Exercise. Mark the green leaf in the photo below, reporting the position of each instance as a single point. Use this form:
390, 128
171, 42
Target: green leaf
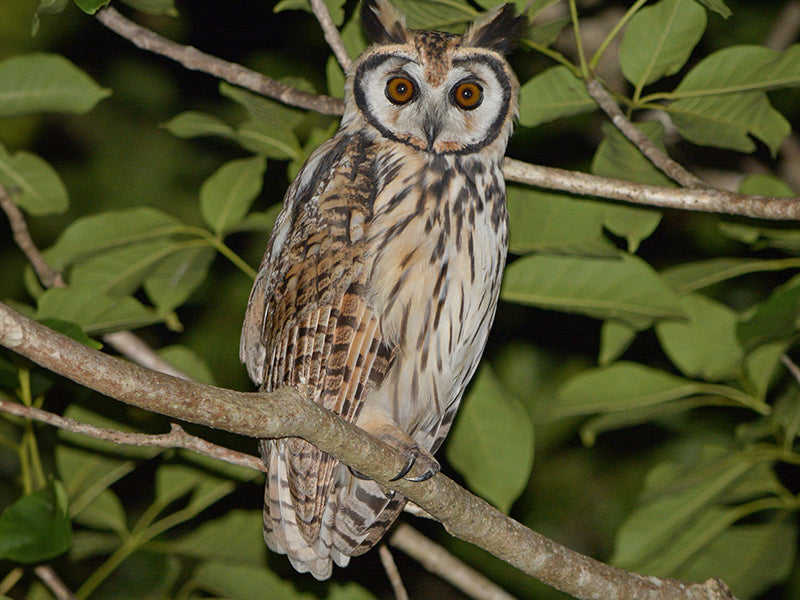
188, 361
268, 140
545, 34
226, 196
721, 100
244, 582
91, 6
491, 444
447, 15
192, 124
717, 6
750, 558
262, 109
95, 313
32, 183
559, 223
173, 280
175, 481
154, 7
690, 277
618, 157
765, 185
704, 346
71, 330
99, 233
334, 8
761, 366
615, 338
104, 512
45, 82
774, 319
627, 289
36, 527
621, 386
236, 536
554, 93
659, 39
120, 271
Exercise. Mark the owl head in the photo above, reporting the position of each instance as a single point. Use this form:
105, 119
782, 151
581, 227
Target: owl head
437, 92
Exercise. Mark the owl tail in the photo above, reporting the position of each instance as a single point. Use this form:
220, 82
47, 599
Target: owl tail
356, 515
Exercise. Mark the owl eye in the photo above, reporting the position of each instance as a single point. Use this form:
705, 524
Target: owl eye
468, 95
400, 90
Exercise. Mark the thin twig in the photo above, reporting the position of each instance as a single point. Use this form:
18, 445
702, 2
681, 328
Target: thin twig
176, 438
703, 200
392, 573
331, 33
288, 413
53, 582
19, 228
785, 28
195, 60
671, 169
439, 561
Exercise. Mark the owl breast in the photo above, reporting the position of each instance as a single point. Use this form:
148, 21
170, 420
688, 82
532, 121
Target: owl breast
439, 235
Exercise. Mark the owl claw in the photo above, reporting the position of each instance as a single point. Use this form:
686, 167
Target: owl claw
415, 454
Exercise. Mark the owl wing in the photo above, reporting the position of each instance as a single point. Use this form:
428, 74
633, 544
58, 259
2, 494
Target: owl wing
308, 320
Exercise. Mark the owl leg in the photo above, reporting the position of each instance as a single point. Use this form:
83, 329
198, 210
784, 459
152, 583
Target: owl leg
377, 422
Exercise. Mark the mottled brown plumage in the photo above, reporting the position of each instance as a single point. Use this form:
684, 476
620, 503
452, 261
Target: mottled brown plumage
381, 277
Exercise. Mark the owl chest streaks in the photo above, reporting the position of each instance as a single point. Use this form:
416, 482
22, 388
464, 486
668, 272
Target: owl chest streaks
440, 234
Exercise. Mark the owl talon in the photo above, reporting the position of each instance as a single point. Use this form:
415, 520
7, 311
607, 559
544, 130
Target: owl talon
357, 474
409, 463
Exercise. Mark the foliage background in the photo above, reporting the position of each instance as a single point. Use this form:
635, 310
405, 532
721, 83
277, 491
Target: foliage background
173, 525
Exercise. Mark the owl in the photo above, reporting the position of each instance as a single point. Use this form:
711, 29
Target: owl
380, 279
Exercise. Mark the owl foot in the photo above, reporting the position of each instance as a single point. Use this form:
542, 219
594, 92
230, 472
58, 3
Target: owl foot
415, 454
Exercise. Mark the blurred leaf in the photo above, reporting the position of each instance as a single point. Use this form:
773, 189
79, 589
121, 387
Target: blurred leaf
36, 527
692, 276
226, 196
717, 6
101, 232
105, 512
765, 185
269, 140
259, 221
704, 346
615, 338
47, 7
659, 39
626, 289
244, 582
236, 536
348, 591
174, 481
32, 183
144, 575
621, 386
618, 157
173, 280
774, 319
88, 544
545, 34
334, 8
154, 7
95, 313
191, 124
554, 93
491, 444
447, 15
633, 223
38, 82
188, 361
263, 109
91, 6
100, 447
71, 330
550, 222
750, 558
760, 366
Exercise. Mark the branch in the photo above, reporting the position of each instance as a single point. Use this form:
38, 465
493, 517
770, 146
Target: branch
440, 562
331, 33
392, 573
704, 200
54, 583
176, 438
671, 169
287, 413
195, 60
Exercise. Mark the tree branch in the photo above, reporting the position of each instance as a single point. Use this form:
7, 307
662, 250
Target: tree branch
54, 583
440, 562
286, 412
195, 60
671, 169
387, 560
176, 438
331, 33
703, 200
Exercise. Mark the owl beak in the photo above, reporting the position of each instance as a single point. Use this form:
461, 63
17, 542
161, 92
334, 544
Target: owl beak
432, 127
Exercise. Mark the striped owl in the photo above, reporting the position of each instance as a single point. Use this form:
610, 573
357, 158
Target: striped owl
381, 277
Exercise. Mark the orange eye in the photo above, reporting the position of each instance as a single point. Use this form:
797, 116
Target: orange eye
400, 90
468, 95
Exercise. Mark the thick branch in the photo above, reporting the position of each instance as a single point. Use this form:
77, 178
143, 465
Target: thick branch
670, 168
287, 413
194, 59
703, 200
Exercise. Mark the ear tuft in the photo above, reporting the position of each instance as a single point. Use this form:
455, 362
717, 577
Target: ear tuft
495, 29
383, 23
